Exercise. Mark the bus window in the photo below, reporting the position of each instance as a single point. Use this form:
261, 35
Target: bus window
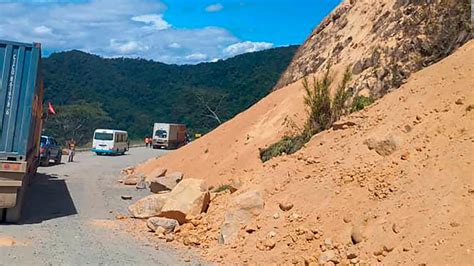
103, 136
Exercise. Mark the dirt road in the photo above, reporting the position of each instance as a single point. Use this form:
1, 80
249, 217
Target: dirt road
69, 217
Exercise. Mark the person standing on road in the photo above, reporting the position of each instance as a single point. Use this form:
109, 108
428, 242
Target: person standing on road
72, 150
147, 141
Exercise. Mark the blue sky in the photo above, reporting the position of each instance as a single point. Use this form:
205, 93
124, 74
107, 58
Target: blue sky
170, 31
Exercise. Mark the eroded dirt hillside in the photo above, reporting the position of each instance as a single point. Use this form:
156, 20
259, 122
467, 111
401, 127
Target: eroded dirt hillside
382, 42
392, 184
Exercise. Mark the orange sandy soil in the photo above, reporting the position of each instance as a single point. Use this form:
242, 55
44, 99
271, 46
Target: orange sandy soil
418, 200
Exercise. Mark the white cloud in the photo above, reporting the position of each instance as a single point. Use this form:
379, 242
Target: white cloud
42, 30
111, 28
156, 21
174, 45
197, 57
246, 47
214, 8
127, 47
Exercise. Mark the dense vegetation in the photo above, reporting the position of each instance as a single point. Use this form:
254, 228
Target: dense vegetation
132, 94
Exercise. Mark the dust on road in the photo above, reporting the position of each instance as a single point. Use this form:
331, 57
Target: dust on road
69, 217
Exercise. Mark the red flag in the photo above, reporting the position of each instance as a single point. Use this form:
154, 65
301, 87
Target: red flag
51, 108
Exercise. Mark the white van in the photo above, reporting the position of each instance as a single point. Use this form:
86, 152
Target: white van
110, 141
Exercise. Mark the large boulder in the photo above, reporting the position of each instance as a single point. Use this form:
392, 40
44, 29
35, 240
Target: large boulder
189, 198
167, 224
165, 183
244, 208
133, 179
157, 172
148, 206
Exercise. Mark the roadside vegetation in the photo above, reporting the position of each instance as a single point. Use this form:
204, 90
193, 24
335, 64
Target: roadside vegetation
360, 102
323, 110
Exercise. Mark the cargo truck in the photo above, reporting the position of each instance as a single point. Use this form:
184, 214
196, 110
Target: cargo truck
169, 136
21, 112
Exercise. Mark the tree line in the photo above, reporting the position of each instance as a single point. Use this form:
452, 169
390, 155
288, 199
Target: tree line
91, 92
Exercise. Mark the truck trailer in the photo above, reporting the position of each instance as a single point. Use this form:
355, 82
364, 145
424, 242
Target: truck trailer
168, 136
21, 105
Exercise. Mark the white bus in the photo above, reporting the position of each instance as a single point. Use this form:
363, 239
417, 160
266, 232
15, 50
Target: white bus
110, 141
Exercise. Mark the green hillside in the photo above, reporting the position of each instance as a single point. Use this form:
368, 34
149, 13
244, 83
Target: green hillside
131, 94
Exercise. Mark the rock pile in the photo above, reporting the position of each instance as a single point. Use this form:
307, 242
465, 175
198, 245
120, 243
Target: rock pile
167, 211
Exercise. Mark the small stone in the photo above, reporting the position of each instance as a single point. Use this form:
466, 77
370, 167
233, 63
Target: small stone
272, 234
169, 238
309, 236
327, 256
126, 197
285, 206
328, 243
347, 219
352, 253
459, 101
454, 224
120, 217
276, 216
159, 222
191, 240
354, 260
405, 156
160, 232
269, 244
378, 252
141, 185
295, 217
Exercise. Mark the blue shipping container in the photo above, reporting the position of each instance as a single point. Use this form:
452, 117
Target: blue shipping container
21, 96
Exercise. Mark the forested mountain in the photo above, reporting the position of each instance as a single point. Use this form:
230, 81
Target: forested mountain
131, 94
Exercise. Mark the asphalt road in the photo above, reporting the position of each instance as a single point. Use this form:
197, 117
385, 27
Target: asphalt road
69, 214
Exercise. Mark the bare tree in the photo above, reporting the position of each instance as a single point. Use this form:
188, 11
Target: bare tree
212, 111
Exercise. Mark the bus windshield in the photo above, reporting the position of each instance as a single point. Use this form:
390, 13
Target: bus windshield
103, 136
161, 134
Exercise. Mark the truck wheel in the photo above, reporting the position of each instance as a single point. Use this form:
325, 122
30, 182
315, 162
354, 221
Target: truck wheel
13, 215
3, 213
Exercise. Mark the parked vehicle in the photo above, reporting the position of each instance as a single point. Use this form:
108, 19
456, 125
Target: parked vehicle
169, 136
49, 150
21, 98
110, 141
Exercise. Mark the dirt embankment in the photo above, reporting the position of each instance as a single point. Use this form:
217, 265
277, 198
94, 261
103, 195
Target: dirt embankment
391, 184
399, 172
